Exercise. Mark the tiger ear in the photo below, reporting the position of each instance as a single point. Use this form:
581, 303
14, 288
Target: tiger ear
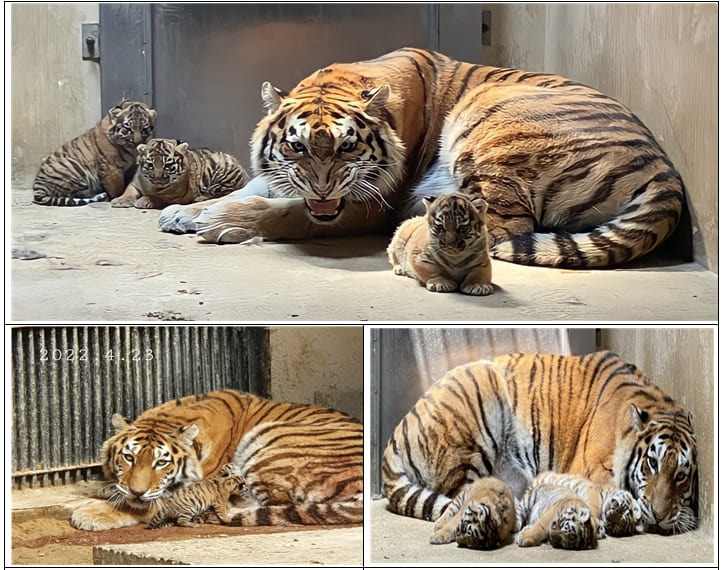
181, 147
186, 435
141, 148
152, 115
271, 97
638, 417
479, 204
376, 99
428, 201
118, 422
584, 515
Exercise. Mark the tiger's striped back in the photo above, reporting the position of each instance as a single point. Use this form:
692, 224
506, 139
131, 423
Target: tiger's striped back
96, 165
596, 416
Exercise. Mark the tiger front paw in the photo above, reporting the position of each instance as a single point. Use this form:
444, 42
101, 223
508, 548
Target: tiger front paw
477, 289
122, 202
441, 285
100, 515
622, 514
179, 219
526, 537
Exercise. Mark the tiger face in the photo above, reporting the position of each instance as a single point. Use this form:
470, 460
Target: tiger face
573, 528
131, 124
143, 466
328, 144
662, 473
454, 221
162, 162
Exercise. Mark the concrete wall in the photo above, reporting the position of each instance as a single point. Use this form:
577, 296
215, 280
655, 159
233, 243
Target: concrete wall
661, 60
319, 365
55, 94
682, 361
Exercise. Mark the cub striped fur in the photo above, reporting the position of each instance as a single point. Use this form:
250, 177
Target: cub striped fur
446, 249
196, 500
97, 164
171, 173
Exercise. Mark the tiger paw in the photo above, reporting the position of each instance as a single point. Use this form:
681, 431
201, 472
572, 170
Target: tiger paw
441, 285
100, 515
398, 270
477, 289
122, 202
179, 219
526, 537
144, 203
621, 514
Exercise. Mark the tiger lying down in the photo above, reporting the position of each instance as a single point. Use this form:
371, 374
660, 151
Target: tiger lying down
564, 449
291, 464
571, 177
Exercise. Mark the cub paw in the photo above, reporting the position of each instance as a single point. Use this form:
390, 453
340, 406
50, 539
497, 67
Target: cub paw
621, 514
121, 202
480, 289
440, 285
525, 538
144, 203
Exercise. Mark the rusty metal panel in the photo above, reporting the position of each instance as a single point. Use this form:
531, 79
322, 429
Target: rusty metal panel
68, 381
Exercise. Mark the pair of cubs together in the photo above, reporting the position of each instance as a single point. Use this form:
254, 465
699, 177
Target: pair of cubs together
568, 511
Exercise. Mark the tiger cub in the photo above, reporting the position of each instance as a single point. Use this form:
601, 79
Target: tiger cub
212, 494
482, 516
97, 164
171, 173
446, 249
572, 512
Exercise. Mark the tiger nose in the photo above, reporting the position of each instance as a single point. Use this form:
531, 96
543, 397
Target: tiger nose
136, 492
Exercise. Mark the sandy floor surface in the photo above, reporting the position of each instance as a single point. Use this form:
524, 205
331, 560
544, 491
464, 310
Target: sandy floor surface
42, 535
97, 263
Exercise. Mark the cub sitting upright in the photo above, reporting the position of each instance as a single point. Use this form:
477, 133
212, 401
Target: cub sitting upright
171, 173
445, 249
96, 165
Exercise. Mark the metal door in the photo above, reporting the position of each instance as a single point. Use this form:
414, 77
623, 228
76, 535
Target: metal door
201, 65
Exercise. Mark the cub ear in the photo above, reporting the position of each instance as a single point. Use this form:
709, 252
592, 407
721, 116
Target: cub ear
376, 99
151, 115
186, 435
428, 201
479, 204
584, 515
271, 97
119, 424
141, 148
181, 147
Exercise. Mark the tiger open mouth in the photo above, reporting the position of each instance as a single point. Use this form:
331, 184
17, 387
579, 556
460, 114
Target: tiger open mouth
324, 210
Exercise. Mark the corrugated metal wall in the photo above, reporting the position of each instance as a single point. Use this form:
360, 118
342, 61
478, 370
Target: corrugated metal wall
406, 361
68, 381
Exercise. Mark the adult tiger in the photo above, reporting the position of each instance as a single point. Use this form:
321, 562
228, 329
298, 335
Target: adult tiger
596, 416
571, 176
302, 464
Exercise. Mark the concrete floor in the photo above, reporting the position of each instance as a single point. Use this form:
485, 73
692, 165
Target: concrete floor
102, 264
394, 539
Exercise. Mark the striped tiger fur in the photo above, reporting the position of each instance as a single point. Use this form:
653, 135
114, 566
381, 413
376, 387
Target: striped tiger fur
596, 416
303, 459
195, 500
446, 249
98, 164
171, 173
572, 512
572, 177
